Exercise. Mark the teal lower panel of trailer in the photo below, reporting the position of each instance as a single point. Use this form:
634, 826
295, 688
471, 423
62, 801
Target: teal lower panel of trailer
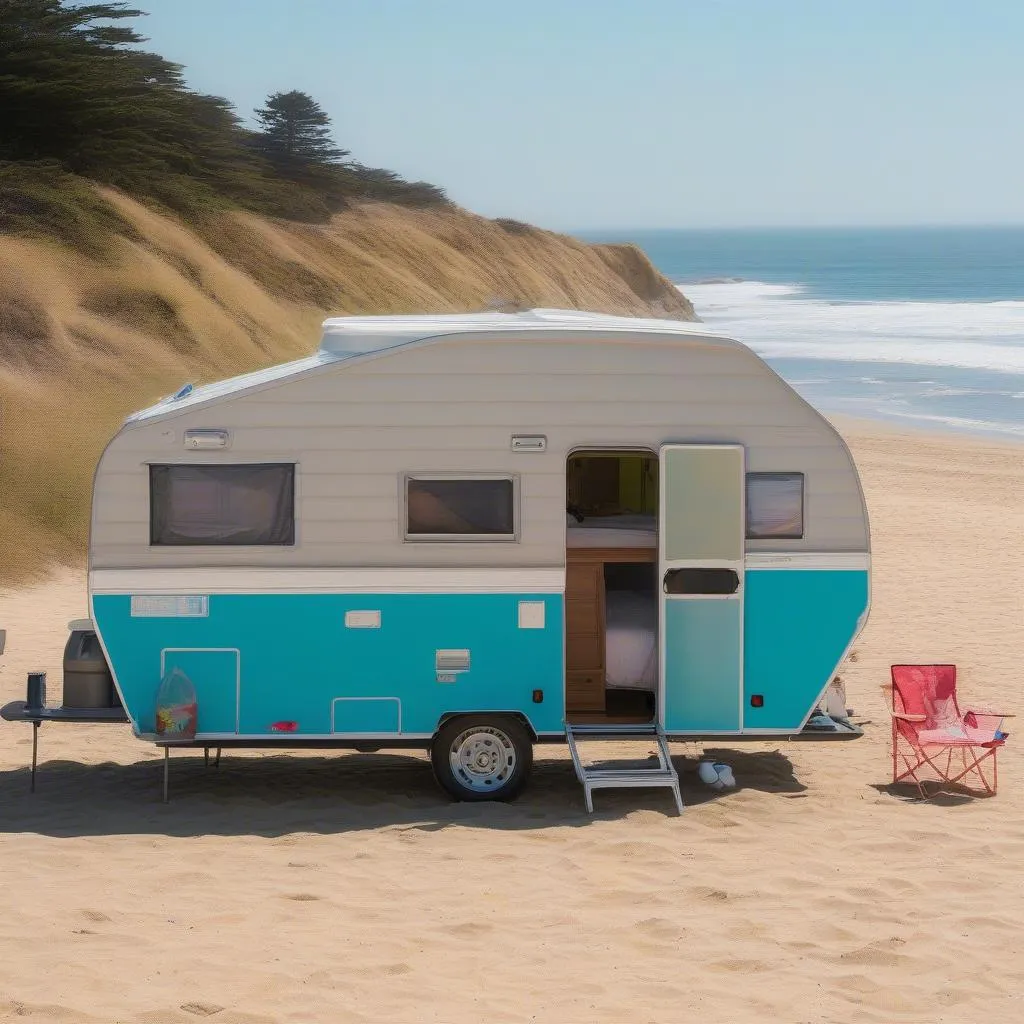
273, 665
797, 626
280, 664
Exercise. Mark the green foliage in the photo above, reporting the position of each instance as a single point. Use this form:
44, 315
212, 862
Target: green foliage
383, 186
78, 96
513, 227
295, 133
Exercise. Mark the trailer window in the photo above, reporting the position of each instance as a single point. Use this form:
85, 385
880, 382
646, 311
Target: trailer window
449, 508
222, 505
775, 505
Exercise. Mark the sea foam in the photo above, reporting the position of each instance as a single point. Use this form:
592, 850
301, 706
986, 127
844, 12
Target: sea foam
781, 321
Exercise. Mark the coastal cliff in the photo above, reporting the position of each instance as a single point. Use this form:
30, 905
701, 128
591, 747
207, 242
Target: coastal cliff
91, 332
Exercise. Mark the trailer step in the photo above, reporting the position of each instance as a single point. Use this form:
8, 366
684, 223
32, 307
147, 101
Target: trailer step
608, 775
611, 731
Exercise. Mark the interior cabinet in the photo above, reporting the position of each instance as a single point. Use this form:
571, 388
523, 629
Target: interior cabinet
584, 634
585, 622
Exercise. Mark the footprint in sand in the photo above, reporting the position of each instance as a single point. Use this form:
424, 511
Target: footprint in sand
703, 892
660, 929
302, 897
740, 966
471, 928
875, 954
201, 1009
95, 915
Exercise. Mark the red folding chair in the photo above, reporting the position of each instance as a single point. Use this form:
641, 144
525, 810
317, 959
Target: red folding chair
930, 734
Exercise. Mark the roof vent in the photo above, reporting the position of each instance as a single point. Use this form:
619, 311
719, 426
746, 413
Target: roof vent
183, 392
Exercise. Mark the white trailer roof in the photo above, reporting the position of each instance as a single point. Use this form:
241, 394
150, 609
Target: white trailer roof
351, 336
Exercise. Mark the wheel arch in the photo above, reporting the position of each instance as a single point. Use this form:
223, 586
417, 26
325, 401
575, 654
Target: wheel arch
516, 716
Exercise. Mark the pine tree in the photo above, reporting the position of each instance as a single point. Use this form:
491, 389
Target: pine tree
296, 133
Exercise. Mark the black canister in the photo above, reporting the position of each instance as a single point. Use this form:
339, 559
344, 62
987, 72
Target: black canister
87, 679
36, 696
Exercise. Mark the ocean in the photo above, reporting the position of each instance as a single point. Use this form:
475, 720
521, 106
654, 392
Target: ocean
923, 326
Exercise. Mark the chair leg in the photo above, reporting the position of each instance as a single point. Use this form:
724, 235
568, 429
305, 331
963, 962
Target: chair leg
970, 764
991, 789
977, 767
920, 760
943, 776
911, 773
920, 782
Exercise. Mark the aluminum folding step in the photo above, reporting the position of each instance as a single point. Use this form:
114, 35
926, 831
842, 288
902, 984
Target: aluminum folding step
605, 775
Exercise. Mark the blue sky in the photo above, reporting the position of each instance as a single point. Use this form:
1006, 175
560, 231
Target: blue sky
589, 114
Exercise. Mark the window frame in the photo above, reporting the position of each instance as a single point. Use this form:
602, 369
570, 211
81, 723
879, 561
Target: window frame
458, 538
291, 465
775, 475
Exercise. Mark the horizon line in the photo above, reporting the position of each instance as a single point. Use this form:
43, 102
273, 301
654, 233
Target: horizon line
921, 226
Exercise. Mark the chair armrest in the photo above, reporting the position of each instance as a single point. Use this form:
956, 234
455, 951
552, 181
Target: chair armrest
989, 713
908, 718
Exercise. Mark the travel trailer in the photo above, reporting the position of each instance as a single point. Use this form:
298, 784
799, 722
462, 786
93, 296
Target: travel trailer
475, 533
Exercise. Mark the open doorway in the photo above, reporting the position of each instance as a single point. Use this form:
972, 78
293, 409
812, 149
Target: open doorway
611, 592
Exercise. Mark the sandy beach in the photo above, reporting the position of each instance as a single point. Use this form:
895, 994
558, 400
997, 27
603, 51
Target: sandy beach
347, 888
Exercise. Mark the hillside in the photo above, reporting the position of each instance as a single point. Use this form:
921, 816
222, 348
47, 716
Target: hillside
90, 333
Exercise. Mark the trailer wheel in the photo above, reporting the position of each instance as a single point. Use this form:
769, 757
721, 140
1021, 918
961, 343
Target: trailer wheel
482, 758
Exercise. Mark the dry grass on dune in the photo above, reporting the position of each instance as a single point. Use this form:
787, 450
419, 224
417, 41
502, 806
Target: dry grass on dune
377, 259
89, 334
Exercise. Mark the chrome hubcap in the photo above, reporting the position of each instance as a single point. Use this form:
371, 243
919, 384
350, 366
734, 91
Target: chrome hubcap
482, 759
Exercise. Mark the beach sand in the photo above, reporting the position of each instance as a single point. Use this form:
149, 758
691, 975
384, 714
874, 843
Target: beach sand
346, 888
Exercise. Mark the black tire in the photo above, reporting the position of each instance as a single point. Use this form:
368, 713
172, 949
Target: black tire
502, 772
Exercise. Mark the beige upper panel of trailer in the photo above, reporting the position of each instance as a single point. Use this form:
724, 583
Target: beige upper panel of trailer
394, 395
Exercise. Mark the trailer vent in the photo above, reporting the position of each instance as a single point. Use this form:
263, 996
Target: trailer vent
362, 620
446, 662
